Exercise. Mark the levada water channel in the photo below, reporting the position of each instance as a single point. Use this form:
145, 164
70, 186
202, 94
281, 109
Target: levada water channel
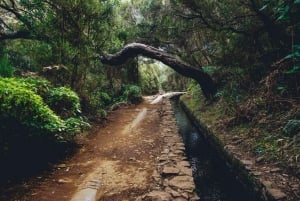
214, 180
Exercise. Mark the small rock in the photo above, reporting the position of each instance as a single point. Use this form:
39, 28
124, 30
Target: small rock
275, 170
132, 159
64, 181
158, 196
172, 155
235, 138
229, 147
256, 173
266, 183
178, 152
163, 163
247, 162
172, 192
167, 134
195, 198
170, 171
277, 194
163, 158
259, 159
165, 151
166, 183
180, 148
186, 171
295, 186
155, 174
184, 158
180, 199
185, 195
61, 166
183, 182
180, 144
238, 141
183, 164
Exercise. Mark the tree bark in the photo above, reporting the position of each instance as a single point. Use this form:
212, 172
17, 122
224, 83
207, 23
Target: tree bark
134, 49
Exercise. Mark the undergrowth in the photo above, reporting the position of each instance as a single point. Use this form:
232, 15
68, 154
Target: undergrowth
262, 114
37, 119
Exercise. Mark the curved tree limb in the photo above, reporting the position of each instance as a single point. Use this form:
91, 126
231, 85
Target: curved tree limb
15, 35
135, 49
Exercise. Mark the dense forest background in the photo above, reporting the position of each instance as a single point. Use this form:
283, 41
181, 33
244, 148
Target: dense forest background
53, 82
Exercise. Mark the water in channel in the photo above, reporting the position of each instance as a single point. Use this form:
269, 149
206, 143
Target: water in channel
214, 181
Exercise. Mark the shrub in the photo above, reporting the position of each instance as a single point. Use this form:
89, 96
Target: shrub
132, 94
6, 69
76, 125
27, 108
37, 85
23, 102
30, 132
64, 102
105, 99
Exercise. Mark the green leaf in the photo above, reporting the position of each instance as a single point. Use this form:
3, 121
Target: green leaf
294, 70
289, 56
264, 7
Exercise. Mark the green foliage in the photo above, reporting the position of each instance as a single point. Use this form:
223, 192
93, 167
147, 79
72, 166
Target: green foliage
6, 69
102, 113
288, 12
267, 145
23, 103
292, 128
105, 99
64, 102
27, 108
195, 91
149, 77
38, 86
30, 55
232, 83
132, 94
67, 32
97, 103
295, 56
76, 125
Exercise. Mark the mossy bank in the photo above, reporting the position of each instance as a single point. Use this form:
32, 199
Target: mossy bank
265, 180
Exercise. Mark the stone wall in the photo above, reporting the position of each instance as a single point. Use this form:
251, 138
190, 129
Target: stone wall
173, 175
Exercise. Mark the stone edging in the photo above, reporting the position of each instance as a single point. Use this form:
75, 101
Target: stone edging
173, 175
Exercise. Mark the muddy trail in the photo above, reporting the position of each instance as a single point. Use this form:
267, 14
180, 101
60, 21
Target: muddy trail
119, 157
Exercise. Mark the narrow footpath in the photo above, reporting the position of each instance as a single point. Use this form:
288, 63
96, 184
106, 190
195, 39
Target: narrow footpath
138, 155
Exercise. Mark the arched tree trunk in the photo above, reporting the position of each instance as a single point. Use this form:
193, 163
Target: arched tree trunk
135, 49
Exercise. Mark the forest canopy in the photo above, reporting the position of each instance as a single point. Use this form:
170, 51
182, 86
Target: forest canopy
249, 50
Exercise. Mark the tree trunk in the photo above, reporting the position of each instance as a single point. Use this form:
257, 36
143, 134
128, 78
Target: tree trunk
135, 49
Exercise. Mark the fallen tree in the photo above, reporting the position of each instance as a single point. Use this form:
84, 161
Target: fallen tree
134, 49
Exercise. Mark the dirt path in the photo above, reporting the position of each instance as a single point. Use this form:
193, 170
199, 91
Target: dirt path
120, 157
